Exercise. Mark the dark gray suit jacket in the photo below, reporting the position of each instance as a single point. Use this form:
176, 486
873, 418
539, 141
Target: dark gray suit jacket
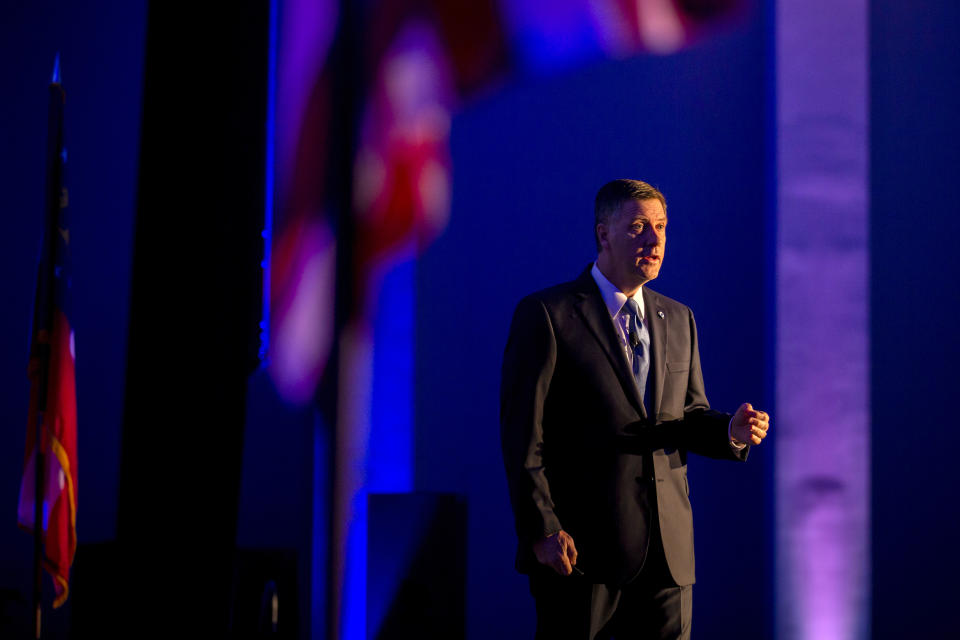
580, 452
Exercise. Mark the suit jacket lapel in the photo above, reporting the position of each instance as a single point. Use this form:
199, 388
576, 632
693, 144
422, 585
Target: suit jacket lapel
591, 307
657, 326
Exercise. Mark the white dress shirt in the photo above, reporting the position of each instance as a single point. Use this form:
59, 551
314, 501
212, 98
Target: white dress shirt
616, 300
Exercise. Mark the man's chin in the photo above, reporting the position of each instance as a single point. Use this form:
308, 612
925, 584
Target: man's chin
650, 272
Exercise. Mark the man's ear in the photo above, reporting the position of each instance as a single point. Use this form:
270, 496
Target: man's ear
601, 230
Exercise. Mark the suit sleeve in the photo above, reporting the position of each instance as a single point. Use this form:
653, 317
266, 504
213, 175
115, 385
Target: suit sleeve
528, 365
706, 431
702, 430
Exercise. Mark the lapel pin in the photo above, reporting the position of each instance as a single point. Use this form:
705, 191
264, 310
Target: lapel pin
660, 313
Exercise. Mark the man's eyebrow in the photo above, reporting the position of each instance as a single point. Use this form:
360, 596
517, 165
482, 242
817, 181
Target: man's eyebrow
647, 217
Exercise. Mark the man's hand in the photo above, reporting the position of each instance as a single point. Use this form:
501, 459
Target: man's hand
749, 426
557, 552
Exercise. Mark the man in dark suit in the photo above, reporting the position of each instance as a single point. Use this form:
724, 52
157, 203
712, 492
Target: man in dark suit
602, 398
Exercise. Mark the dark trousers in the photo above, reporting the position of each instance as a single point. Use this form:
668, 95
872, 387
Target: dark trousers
652, 606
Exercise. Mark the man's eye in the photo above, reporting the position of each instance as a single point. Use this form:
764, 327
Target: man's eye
638, 227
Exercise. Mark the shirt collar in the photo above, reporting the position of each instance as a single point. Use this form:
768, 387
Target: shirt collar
613, 297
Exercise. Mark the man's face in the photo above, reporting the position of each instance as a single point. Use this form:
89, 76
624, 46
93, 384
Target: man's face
633, 243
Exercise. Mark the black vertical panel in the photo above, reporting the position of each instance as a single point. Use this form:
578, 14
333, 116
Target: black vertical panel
915, 349
195, 305
265, 595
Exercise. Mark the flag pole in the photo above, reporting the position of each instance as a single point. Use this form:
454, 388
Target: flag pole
47, 273
38, 513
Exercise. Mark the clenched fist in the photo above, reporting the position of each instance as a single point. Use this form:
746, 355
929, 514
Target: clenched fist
749, 425
557, 551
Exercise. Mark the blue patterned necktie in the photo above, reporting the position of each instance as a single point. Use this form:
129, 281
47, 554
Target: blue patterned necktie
640, 342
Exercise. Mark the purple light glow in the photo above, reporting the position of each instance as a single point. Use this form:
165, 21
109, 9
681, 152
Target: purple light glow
823, 416
306, 32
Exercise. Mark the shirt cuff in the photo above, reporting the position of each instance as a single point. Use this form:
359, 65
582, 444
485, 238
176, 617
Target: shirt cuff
735, 444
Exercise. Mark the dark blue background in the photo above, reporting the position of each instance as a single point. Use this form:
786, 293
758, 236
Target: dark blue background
527, 163
915, 303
